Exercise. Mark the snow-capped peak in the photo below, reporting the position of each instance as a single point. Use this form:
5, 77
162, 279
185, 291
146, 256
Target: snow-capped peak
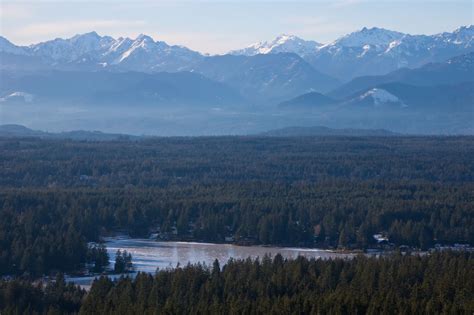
461, 36
464, 31
282, 43
72, 48
283, 38
144, 38
369, 36
142, 42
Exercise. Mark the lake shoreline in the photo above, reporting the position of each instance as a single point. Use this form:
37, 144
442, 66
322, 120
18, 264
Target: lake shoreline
113, 243
150, 255
240, 243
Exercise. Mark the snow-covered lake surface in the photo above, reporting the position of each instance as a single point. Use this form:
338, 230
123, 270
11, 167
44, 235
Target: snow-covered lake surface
148, 255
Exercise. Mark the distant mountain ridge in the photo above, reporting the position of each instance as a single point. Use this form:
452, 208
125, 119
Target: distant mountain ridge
95, 51
436, 99
455, 70
12, 130
307, 101
325, 131
266, 78
122, 88
369, 51
372, 51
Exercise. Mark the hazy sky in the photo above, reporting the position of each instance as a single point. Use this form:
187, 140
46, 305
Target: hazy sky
219, 26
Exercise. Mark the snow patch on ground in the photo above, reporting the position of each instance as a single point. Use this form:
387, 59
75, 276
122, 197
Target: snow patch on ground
28, 98
381, 97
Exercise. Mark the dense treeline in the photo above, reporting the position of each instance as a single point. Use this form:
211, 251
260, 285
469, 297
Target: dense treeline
24, 297
441, 283
188, 161
57, 195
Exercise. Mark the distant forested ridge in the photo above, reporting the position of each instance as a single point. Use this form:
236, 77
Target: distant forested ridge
439, 283
56, 195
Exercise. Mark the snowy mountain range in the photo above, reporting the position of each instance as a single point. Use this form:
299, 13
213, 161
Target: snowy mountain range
93, 51
262, 78
371, 51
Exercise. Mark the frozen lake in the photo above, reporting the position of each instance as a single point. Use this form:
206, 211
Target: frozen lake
148, 255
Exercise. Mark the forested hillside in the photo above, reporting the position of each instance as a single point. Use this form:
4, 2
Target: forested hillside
55, 195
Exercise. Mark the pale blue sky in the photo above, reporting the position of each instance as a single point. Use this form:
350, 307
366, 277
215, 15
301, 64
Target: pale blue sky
219, 26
